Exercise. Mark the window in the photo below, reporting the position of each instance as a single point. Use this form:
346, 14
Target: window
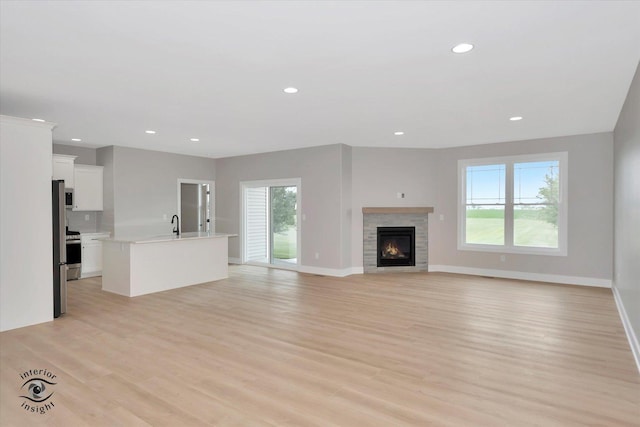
514, 204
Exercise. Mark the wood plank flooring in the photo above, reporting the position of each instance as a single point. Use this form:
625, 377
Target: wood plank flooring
278, 348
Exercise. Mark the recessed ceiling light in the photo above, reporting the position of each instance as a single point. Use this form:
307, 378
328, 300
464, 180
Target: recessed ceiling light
398, 133
515, 118
150, 131
38, 120
76, 139
290, 90
194, 140
462, 48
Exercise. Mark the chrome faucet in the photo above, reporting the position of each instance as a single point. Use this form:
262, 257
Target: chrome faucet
177, 227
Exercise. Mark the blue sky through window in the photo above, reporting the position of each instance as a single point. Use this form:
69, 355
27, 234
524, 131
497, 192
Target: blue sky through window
528, 178
486, 183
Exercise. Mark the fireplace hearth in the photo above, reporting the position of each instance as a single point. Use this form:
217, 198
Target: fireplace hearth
396, 246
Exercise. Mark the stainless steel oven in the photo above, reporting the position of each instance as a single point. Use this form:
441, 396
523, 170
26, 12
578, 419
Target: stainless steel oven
74, 255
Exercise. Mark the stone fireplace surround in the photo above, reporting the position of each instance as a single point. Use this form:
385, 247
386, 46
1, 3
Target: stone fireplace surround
395, 217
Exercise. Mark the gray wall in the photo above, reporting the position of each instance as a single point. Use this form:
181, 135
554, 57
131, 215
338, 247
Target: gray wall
346, 187
627, 206
141, 188
105, 219
590, 221
429, 178
320, 170
86, 155
379, 174
337, 181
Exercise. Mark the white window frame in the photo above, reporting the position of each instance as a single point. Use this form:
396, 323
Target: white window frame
509, 247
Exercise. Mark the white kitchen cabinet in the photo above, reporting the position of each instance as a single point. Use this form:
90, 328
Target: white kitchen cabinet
91, 254
63, 168
87, 193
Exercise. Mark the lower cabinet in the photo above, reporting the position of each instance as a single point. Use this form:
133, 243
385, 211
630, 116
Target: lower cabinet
91, 254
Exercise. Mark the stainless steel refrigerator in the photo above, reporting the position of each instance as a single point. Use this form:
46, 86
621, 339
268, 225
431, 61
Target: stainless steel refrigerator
59, 249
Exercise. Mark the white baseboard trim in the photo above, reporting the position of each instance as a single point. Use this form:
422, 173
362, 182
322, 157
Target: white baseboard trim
334, 272
521, 275
628, 329
234, 260
357, 270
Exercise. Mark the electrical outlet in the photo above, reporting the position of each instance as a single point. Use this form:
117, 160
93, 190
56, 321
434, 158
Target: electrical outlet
86, 217
503, 258
441, 217
164, 217
400, 195
317, 255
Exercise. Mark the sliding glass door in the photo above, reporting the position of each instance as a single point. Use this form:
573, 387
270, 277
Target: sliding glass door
284, 227
270, 217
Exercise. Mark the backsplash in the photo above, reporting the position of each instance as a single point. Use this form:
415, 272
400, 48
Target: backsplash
77, 221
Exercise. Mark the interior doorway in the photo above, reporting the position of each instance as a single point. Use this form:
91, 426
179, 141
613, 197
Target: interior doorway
271, 222
196, 205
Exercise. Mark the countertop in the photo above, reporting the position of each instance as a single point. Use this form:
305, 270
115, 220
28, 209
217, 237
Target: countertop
167, 237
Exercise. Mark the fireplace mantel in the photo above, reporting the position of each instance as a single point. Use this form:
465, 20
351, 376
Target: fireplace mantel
398, 210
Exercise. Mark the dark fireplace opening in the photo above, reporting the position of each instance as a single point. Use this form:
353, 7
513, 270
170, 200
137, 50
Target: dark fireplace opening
396, 246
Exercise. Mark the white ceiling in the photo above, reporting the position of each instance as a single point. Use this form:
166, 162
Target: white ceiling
108, 71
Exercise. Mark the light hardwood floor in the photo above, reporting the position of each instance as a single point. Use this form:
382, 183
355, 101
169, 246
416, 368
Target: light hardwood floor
277, 348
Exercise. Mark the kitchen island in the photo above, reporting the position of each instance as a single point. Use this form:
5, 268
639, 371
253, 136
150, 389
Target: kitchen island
135, 266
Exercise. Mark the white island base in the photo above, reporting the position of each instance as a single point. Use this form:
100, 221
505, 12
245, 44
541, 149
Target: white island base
133, 267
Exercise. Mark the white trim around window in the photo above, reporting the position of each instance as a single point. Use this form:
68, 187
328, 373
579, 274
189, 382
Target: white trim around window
504, 199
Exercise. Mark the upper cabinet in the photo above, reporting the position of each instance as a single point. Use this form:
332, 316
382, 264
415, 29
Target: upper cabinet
63, 169
87, 193
85, 180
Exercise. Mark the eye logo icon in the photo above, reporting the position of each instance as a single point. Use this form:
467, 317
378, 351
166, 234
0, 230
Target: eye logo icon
35, 390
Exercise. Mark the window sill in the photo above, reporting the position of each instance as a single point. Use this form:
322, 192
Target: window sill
513, 250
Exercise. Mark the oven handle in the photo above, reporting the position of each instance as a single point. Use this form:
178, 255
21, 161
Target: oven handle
73, 242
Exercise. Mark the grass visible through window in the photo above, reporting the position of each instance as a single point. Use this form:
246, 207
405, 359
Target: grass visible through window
284, 244
486, 226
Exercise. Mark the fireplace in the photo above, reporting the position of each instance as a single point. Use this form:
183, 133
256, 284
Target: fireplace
396, 246
393, 219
